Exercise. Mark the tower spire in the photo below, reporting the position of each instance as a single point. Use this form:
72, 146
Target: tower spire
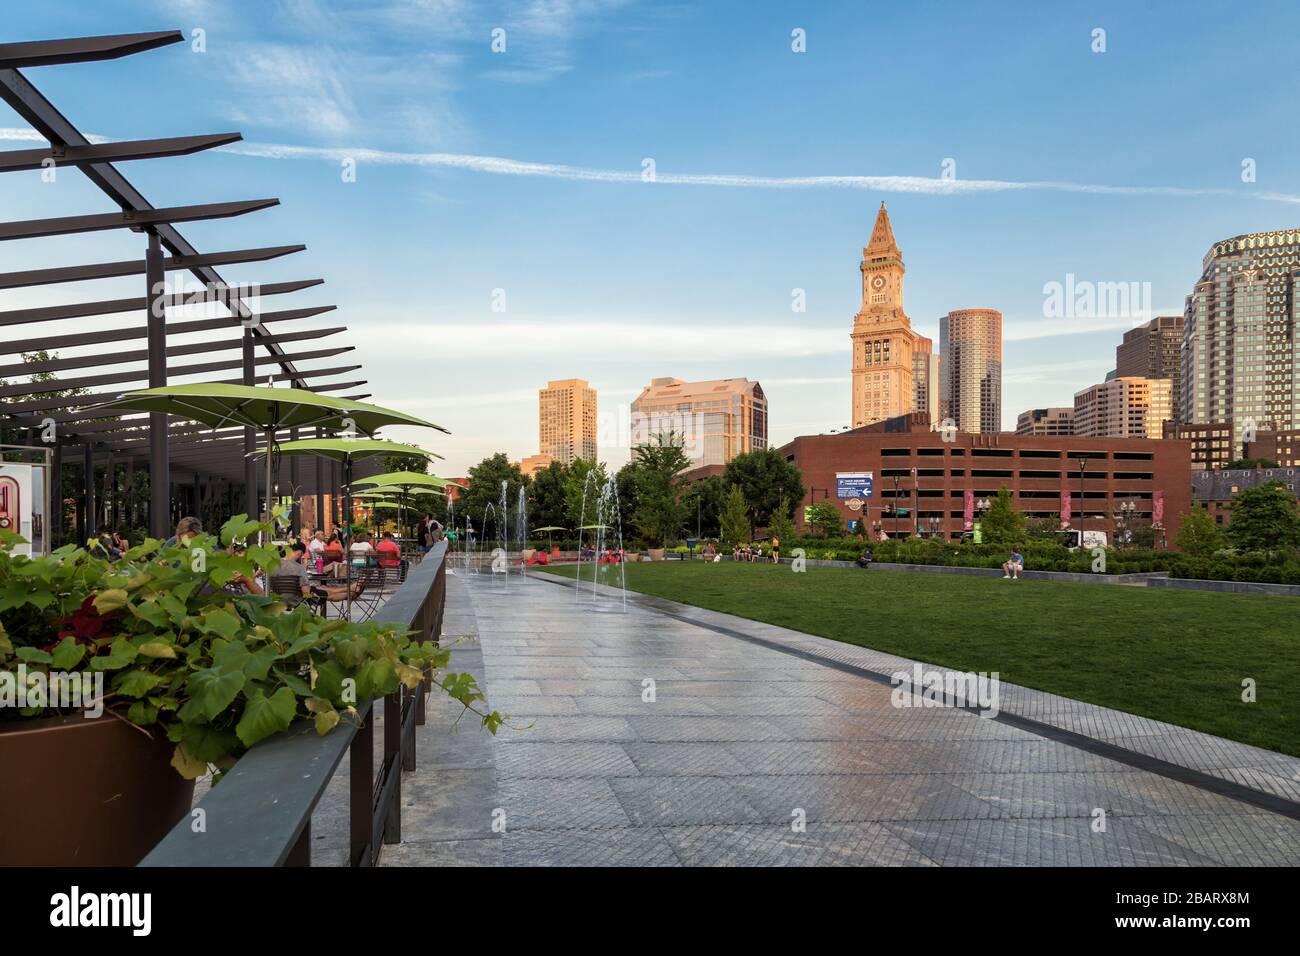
882, 235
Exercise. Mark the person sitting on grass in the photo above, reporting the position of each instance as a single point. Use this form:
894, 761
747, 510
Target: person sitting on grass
1015, 565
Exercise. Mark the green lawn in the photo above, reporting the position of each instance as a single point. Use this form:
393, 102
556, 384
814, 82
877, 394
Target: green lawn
1178, 656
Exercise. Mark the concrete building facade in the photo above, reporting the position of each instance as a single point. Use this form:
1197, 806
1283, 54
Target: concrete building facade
925, 377
717, 419
1046, 421
1153, 350
1123, 408
1211, 442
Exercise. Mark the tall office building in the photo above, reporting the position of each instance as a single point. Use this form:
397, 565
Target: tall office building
1152, 350
1125, 407
1046, 421
716, 420
566, 420
882, 335
970, 370
925, 378
1240, 339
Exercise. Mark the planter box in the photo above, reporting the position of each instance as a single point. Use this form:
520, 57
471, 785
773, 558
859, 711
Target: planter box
634, 555
83, 792
656, 554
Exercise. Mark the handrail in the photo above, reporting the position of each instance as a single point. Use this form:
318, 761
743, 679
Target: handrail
260, 813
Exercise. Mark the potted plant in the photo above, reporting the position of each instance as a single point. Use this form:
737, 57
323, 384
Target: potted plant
123, 681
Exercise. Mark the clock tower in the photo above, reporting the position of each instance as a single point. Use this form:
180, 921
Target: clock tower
882, 334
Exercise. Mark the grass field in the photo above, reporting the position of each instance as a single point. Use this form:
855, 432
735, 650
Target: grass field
1177, 656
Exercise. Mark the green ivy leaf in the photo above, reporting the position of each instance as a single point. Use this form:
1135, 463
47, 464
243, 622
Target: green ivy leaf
68, 654
136, 683
211, 691
264, 716
33, 655
111, 600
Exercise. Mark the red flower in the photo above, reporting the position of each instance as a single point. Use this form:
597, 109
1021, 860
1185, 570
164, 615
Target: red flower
85, 625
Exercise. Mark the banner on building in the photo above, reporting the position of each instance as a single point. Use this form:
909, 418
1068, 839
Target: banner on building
1158, 508
1065, 508
853, 484
969, 513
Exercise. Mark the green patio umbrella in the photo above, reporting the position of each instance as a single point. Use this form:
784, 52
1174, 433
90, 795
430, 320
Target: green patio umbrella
405, 482
347, 450
548, 529
266, 409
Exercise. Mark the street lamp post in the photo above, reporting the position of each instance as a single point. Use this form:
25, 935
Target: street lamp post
896, 480
916, 502
1083, 465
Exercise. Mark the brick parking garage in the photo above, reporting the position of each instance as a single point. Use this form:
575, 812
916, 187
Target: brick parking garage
1036, 469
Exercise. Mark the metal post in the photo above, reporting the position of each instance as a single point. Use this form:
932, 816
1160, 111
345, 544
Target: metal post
54, 536
320, 486
251, 507
88, 476
295, 511
159, 461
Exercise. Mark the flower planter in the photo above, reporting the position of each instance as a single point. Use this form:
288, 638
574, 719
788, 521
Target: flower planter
86, 792
656, 554
527, 554
634, 555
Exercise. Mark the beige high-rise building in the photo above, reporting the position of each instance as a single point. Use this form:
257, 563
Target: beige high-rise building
970, 360
535, 463
1153, 350
566, 420
1124, 407
1241, 337
925, 378
883, 340
716, 420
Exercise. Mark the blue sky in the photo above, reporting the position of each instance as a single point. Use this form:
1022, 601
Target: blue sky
616, 280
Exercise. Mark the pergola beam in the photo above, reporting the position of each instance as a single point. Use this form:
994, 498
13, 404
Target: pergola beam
52, 405
104, 336
115, 378
134, 267
81, 310
130, 219
15, 56
142, 355
23, 159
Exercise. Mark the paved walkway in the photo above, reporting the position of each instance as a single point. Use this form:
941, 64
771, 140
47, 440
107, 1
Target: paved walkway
754, 728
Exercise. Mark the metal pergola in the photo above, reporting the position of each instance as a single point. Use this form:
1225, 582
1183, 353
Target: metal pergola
184, 461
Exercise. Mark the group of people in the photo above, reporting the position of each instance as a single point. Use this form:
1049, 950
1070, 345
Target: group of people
754, 552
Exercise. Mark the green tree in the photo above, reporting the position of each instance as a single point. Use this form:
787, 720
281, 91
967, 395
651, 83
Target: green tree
734, 519
1244, 463
546, 497
1197, 534
1002, 523
824, 518
575, 482
765, 478
1264, 518
781, 525
703, 501
485, 489
656, 468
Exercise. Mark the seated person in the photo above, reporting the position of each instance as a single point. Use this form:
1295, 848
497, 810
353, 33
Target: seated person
242, 583
388, 551
333, 550
865, 558
361, 550
1015, 565
292, 566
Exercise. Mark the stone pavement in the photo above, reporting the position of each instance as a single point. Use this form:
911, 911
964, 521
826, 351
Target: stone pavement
754, 727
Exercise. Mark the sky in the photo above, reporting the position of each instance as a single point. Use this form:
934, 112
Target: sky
617, 190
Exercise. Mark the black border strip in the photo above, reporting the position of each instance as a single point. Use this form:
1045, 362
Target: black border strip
1163, 768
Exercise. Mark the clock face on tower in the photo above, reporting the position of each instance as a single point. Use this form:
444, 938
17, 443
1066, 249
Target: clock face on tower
877, 282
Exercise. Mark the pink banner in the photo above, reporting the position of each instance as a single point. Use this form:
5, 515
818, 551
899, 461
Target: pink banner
970, 509
1158, 508
1065, 507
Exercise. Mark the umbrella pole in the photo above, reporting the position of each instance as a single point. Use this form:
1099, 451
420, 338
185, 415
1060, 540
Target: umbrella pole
347, 496
270, 451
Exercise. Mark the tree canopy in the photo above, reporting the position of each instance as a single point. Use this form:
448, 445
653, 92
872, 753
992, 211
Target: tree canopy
765, 478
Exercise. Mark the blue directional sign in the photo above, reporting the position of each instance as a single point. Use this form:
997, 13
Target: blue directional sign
853, 484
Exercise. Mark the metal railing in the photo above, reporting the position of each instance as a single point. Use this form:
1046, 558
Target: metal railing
260, 812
